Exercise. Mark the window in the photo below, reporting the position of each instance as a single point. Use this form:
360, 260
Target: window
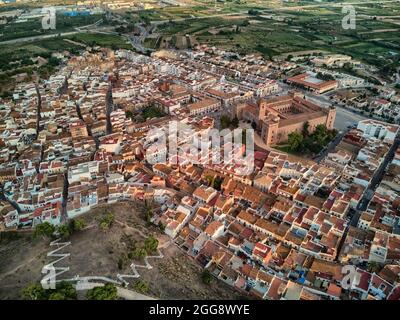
382, 287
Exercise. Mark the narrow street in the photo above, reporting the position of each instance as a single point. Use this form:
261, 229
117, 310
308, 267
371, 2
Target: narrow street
330, 147
64, 215
377, 178
39, 108
369, 192
109, 107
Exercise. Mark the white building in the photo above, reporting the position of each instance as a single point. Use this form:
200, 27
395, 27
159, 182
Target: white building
378, 129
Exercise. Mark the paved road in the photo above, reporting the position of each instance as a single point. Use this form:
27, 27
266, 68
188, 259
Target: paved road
157, 22
105, 30
132, 295
375, 181
368, 194
37, 38
377, 178
345, 118
137, 41
332, 145
122, 292
109, 108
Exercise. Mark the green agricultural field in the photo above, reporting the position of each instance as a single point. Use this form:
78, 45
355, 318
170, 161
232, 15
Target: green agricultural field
33, 27
151, 43
102, 40
274, 32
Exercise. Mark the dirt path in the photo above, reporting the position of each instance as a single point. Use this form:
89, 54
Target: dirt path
13, 271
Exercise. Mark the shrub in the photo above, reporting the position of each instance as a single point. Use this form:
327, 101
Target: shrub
107, 292
206, 277
141, 286
44, 229
150, 244
107, 221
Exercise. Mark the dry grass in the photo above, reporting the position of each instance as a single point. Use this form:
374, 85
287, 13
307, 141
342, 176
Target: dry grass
95, 252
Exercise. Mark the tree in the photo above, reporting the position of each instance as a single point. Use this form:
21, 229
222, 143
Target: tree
253, 12
76, 225
66, 289
306, 126
210, 180
63, 291
348, 66
63, 231
150, 244
373, 267
225, 122
34, 291
235, 122
295, 141
129, 114
139, 253
161, 226
214, 181
320, 130
56, 296
320, 135
147, 210
53, 61
325, 76
217, 183
141, 286
107, 221
145, 19
107, 292
44, 229
206, 277
289, 57
317, 140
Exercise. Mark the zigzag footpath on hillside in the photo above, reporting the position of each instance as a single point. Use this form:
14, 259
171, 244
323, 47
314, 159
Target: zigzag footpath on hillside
82, 283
